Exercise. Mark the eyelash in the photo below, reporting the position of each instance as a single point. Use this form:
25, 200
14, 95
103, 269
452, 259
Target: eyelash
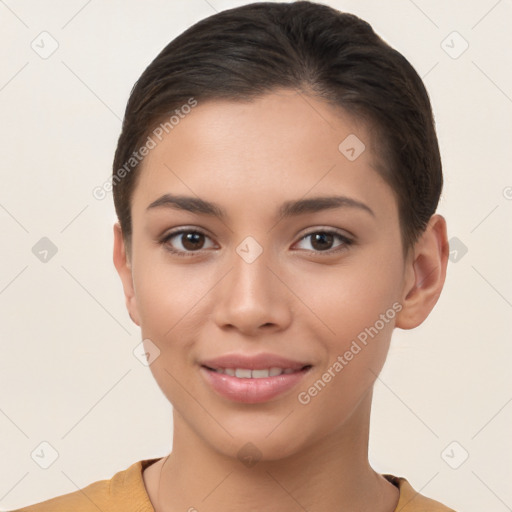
347, 242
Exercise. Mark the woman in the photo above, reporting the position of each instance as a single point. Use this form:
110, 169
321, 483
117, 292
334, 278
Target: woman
275, 181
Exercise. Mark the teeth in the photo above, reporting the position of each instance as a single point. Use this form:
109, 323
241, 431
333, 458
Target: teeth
256, 374
245, 373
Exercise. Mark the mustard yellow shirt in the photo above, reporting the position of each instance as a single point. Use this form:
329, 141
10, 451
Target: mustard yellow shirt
125, 492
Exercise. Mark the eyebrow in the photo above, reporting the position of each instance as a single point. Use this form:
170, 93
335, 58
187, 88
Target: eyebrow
288, 208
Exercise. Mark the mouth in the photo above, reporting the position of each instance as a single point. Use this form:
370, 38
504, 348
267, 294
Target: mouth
247, 373
253, 385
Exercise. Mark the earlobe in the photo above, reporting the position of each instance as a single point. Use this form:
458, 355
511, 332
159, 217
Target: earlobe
425, 274
123, 266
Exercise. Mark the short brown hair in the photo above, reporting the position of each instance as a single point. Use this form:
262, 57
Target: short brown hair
241, 53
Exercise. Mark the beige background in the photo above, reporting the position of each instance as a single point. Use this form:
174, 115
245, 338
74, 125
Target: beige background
69, 375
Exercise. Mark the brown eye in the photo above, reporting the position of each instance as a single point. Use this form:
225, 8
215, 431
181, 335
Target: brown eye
185, 242
322, 241
192, 241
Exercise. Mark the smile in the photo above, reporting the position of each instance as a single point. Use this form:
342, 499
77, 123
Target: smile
252, 386
246, 373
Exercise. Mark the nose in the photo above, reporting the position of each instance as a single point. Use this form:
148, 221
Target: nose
253, 297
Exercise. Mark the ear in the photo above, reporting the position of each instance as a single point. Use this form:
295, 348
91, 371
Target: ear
123, 267
425, 274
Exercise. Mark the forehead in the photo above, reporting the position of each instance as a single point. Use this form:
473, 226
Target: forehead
278, 146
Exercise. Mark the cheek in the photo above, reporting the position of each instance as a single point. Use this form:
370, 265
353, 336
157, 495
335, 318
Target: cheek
349, 298
166, 307
165, 293
172, 301
356, 357
358, 304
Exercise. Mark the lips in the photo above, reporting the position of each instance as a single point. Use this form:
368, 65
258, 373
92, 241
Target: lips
252, 379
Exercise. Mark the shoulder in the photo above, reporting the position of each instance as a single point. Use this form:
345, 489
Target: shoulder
124, 492
412, 501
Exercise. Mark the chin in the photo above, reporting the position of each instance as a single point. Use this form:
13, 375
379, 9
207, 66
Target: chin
251, 448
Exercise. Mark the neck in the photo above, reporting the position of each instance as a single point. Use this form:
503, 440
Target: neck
330, 474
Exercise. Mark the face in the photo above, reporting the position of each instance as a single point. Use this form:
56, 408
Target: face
314, 289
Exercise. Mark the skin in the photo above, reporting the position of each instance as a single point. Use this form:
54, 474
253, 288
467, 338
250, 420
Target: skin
293, 300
